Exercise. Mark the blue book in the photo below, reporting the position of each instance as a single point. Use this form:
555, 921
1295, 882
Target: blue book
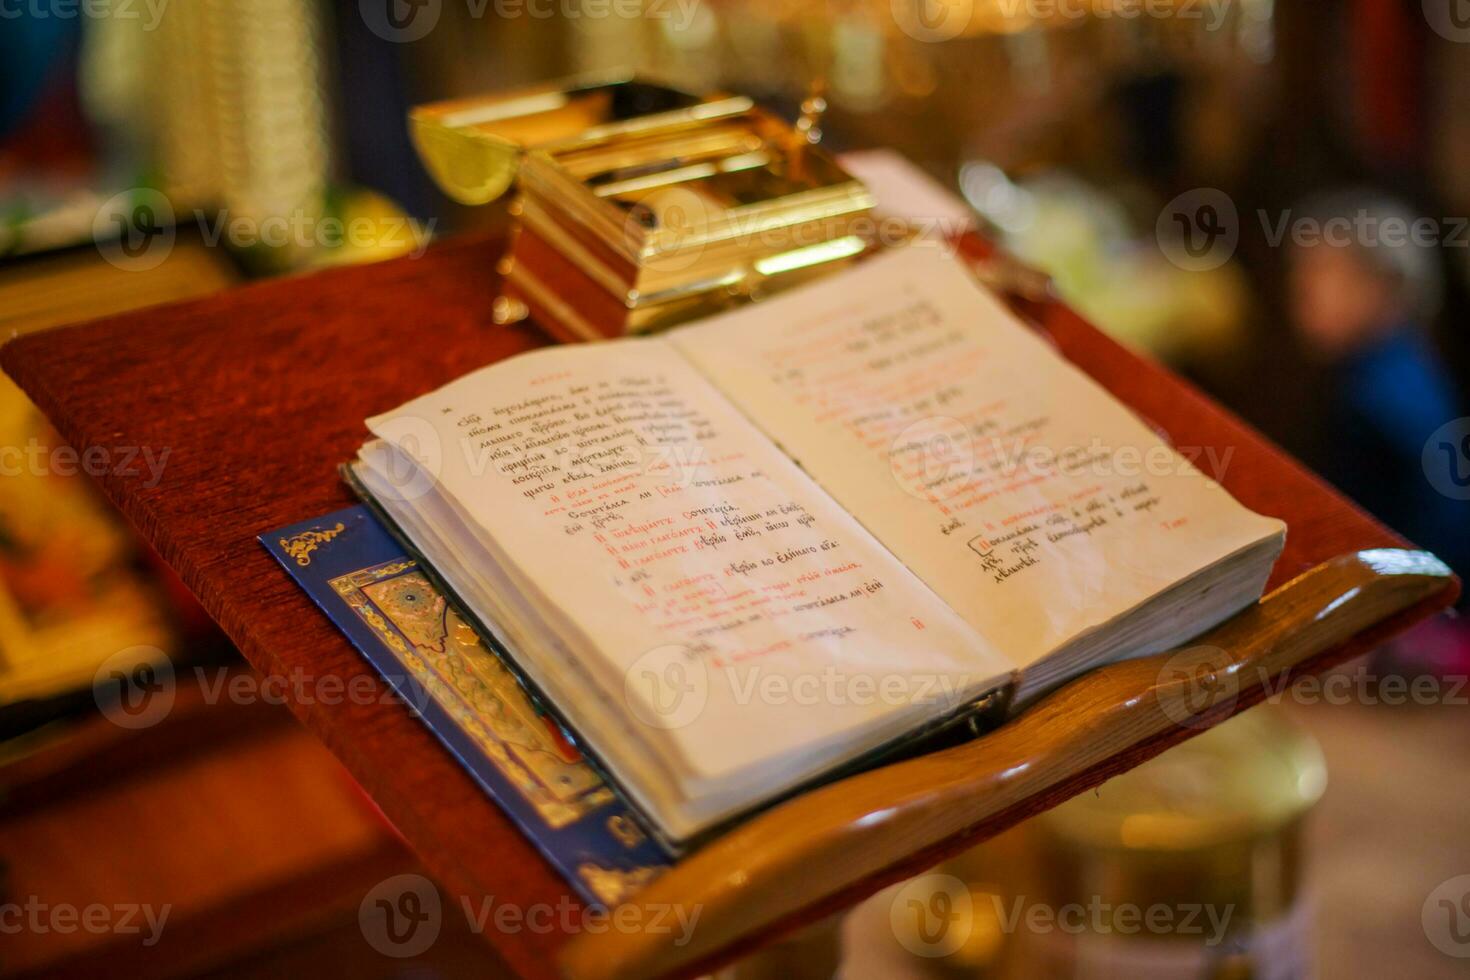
428, 652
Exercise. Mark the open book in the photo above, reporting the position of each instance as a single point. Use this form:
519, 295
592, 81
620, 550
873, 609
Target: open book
740, 556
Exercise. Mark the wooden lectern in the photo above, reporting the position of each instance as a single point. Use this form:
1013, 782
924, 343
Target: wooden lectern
257, 394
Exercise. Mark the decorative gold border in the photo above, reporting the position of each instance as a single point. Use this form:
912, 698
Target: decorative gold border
300, 546
454, 684
613, 886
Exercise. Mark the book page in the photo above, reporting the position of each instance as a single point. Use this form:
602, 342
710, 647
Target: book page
705, 579
1026, 496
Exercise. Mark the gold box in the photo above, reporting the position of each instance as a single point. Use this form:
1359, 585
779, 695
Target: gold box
641, 206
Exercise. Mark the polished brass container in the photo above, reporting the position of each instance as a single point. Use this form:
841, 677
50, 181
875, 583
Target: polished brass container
640, 206
1191, 864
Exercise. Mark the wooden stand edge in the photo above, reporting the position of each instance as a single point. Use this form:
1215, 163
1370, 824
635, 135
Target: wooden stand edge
846, 836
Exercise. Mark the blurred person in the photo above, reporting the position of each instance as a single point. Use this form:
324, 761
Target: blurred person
1364, 285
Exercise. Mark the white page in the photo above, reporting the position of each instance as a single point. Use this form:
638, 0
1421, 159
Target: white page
691, 558
1026, 496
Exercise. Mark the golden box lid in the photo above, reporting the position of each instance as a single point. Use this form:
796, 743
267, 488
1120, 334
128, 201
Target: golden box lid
473, 146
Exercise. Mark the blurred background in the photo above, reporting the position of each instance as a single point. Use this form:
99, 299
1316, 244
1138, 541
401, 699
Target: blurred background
1271, 198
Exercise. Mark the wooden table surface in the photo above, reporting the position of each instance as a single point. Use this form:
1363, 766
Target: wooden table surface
256, 394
